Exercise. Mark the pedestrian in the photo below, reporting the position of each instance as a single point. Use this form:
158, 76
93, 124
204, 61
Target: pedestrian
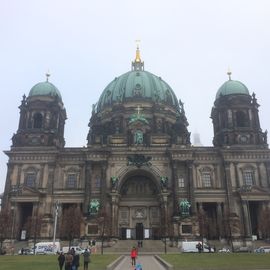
199, 247
138, 266
76, 261
68, 261
86, 259
61, 260
133, 255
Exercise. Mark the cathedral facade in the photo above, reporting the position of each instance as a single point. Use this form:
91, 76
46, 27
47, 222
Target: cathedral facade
139, 167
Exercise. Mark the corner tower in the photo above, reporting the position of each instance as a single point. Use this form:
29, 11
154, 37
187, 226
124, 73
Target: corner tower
42, 117
235, 116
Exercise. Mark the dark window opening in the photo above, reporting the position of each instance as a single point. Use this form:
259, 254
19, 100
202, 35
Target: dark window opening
38, 118
187, 229
30, 179
71, 180
242, 119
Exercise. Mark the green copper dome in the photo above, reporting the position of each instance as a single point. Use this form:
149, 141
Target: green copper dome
135, 85
44, 89
232, 87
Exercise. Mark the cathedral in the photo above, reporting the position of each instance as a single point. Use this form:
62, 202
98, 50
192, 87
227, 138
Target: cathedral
139, 167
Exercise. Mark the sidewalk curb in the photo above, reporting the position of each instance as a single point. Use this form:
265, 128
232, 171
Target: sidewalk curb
163, 263
112, 265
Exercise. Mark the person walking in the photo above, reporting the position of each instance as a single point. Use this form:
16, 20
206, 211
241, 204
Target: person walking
68, 261
199, 247
86, 259
76, 261
61, 260
133, 256
138, 266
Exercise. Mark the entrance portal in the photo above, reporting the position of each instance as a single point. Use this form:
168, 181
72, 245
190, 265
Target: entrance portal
139, 231
139, 207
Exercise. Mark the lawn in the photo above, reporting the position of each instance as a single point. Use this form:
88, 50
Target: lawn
45, 262
232, 261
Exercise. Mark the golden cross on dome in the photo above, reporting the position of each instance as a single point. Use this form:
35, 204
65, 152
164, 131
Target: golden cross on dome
48, 75
138, 56
229, 73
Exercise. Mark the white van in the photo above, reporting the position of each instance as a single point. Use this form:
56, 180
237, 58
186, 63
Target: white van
78, 250
191, 246
47, 248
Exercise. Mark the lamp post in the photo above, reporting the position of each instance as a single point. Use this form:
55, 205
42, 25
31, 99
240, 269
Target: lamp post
55, 223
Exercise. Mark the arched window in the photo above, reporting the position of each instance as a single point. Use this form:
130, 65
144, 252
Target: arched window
242, 119
248, 177
206, 177
71, 180
30, 177
38, 119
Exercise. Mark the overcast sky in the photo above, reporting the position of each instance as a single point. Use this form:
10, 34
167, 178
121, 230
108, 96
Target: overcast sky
86, 44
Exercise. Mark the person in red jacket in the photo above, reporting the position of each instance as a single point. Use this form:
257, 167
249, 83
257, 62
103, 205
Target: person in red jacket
133, 255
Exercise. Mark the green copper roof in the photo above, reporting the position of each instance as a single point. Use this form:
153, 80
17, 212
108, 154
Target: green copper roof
137, 84
44, 89
232, 87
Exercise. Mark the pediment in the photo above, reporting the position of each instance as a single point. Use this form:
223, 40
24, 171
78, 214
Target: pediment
28, 191
255, 193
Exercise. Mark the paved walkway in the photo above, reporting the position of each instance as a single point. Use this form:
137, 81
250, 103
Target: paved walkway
148, 262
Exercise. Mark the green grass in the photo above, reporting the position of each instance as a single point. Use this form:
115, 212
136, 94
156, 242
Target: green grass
43, 262
240, 261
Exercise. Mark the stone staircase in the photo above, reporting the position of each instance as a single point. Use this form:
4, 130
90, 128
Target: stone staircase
149, 247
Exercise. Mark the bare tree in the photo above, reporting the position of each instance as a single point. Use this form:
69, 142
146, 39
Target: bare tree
33, 227
71, 223
105, 224
5, 225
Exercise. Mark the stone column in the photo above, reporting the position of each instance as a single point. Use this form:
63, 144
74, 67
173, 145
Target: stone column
259, 175
219, 218
103, 182
267, 166
191, 196
174, 187
236, 174
228, 184
114, 217
88, 172
247, 223
164, 202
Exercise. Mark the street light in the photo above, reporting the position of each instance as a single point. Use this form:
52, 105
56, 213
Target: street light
55, 222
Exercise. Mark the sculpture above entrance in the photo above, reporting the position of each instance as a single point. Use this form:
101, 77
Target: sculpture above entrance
138, 160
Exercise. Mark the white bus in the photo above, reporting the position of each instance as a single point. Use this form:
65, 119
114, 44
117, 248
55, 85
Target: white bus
47, 248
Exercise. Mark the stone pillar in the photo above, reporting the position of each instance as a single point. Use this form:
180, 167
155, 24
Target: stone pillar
219, 218
247, 224
228, 185
103, 183
259, 175
267, 166
236, 174
114, 217
200, 206
174, 187
191, 196
88, 172
164, 199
